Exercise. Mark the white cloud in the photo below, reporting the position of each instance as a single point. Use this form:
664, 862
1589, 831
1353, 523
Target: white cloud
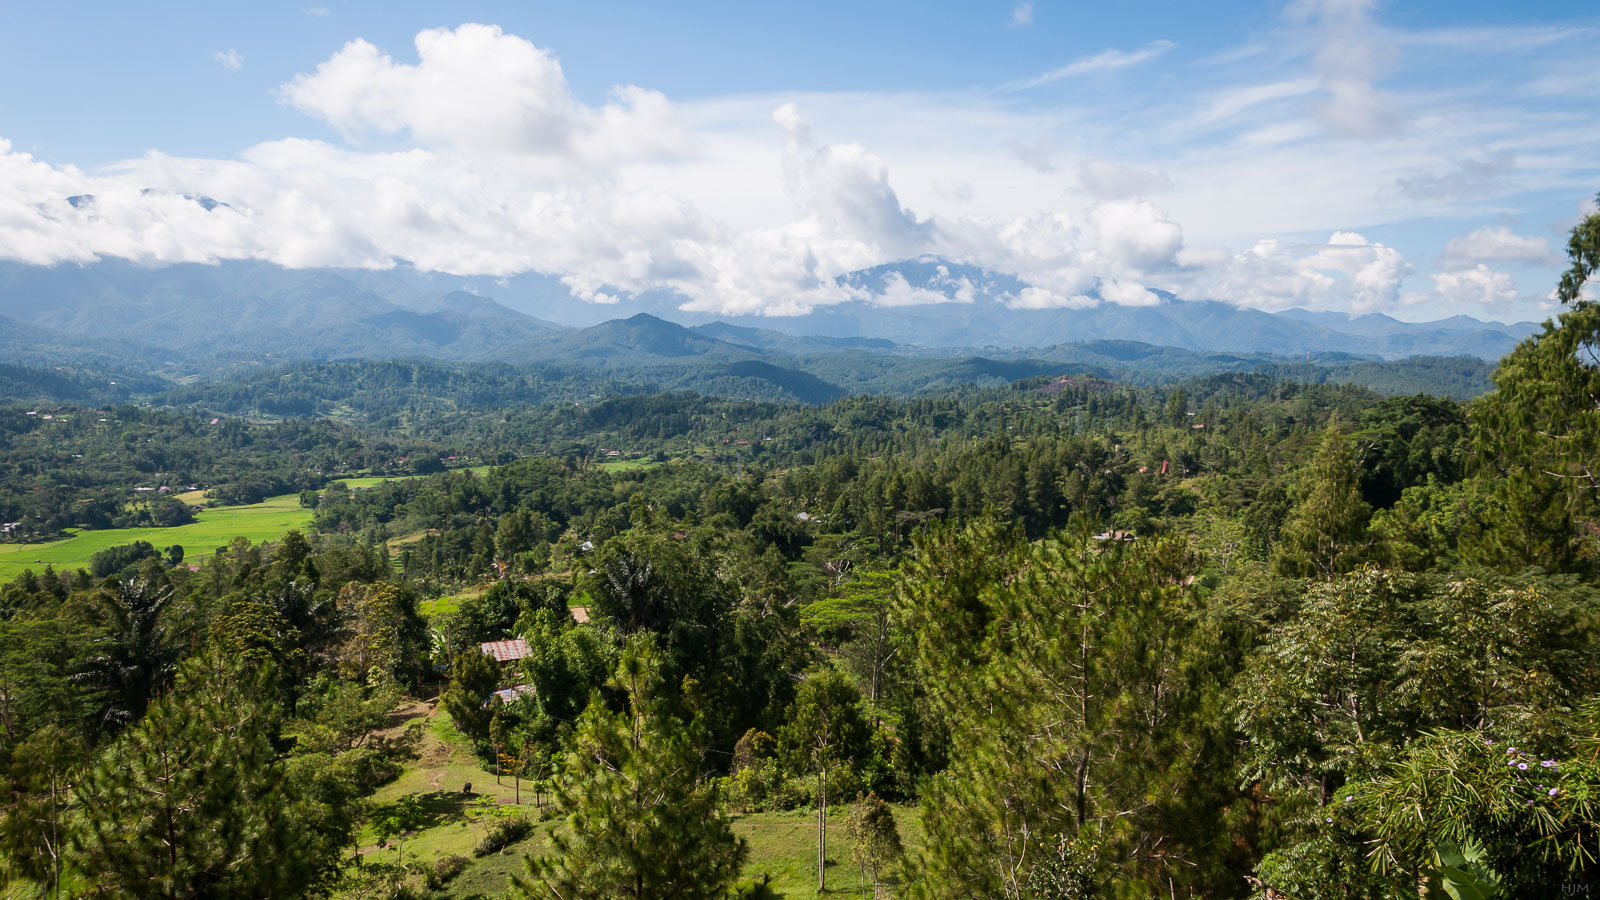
1464, 179
1352, 54
478, 89
491, 166
1038, 155
229, 59
1478, 286
1495, 244
1135, 236
1040, 298
321, 12
1022, 14
1347, 273
1110, 181
897, 291
1125, 293
1104, 61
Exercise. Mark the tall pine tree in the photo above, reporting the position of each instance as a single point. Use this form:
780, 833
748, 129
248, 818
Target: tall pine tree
1326, 535
193, 801
643, 825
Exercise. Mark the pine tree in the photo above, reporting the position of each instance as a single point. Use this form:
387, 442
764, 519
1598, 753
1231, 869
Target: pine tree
34, 824
1583, 248
193, 801
1537, 439
643, 825
1326, 535
1052, 665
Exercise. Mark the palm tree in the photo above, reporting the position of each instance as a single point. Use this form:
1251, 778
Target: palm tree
628, 589
135, 653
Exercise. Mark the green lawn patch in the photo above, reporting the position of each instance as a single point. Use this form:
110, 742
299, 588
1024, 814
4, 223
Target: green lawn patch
623, 465
782, 844
375, 480
265, 521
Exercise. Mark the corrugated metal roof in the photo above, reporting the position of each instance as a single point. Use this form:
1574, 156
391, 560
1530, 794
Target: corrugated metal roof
505, 651
512, 693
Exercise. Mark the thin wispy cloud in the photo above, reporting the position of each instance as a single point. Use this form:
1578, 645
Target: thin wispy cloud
1104, 61
320, 12
1022, 14
229, 59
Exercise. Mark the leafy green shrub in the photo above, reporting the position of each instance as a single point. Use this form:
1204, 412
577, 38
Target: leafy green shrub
503, 835
446, 870
761, 786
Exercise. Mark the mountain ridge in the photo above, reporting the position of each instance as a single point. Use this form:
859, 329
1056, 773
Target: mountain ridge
192, 313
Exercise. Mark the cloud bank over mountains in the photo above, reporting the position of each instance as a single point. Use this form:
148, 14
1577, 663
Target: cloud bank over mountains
1254, 180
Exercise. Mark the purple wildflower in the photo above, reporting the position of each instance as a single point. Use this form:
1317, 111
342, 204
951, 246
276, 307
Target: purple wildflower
1522, 766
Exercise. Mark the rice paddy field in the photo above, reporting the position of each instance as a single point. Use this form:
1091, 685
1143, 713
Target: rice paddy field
264, 521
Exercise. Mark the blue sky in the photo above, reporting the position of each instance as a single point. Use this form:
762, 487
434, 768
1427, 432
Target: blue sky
1413, 159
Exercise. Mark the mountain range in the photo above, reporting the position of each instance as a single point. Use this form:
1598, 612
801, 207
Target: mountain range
188, 319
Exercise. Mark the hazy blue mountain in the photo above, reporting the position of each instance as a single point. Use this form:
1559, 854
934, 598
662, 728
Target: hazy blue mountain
639, 337
23, 343
767, 339
986, 322
199, 311
251, 312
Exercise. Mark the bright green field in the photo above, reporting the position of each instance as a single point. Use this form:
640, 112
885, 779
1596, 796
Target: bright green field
356, 484
265, 521
623, 465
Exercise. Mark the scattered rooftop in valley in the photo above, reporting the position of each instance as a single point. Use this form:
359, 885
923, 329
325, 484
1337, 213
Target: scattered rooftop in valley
505, 651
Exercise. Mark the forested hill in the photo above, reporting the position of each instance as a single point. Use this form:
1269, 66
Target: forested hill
374, 389
1253, 624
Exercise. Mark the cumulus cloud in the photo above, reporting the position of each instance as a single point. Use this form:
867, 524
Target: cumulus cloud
1043, 298
844, 191
897, 291
1135, 236
478, 89
229, 59
1348, 273
489, 165
1479, 286
1495, 244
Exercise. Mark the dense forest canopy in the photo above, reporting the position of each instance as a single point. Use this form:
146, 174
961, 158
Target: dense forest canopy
1067, 636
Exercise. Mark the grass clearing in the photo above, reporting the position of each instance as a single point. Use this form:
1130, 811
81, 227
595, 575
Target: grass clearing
782, 844
356, 484
624, 465
264, 521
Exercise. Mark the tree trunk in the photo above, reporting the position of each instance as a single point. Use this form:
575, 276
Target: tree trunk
822, 829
